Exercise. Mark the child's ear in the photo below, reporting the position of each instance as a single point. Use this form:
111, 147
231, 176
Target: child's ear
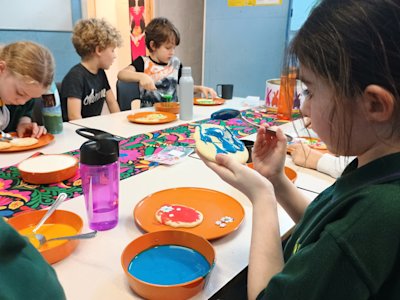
3, 66
97, 50
378, 103
152, 46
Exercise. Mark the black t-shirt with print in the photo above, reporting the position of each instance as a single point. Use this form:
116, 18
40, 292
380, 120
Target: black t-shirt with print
90, 88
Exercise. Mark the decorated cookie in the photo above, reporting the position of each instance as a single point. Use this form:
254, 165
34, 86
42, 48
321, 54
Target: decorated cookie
152, 118
23, 142
214, 139
4, 145
177, 215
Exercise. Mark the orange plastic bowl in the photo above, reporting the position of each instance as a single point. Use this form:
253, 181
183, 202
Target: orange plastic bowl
171, 107
167, 237
64, 249
290, 173
50, 168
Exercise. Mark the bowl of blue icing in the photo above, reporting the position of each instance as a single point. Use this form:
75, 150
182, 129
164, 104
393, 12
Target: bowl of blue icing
168, 264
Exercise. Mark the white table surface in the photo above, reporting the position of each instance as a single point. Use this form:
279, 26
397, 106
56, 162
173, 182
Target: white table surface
118, 124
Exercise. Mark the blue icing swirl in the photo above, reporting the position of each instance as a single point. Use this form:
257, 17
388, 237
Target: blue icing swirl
226, 141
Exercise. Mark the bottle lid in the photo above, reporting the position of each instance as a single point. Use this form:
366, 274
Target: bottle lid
102, 149
186, 71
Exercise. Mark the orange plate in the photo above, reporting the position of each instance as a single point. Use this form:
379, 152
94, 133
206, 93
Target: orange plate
212, 204
289, 172
43, 141
216, 101
135, 118
167, 237
31, 218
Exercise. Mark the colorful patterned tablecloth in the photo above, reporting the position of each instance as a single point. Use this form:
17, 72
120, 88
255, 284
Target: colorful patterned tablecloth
17, 196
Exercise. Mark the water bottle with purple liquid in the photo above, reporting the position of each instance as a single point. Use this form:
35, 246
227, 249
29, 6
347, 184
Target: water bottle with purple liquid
99, 169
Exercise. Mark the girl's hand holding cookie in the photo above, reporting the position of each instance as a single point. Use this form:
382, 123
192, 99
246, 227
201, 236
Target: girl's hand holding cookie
241, 177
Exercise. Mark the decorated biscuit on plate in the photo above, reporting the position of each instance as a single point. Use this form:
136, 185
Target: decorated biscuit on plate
23, 142
4, 145
177, 215
214, 139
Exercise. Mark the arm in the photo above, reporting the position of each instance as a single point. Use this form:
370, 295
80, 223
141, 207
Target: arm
112, 103
129, 74
269, 154
304, 156
74, 106
266, 258
205, 91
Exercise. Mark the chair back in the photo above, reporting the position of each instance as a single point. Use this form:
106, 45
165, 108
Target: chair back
126, 92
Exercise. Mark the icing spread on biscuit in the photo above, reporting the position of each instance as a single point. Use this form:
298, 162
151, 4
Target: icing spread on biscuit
226, 141
178, 213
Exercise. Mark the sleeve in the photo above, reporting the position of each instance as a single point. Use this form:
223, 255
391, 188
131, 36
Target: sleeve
72, 86
317, 271
331, 165
138, 64
24, 272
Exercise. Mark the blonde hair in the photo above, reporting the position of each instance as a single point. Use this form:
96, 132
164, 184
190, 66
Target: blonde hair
91, 33
32, 62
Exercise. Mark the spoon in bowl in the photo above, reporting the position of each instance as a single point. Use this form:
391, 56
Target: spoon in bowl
60, 198
43, 240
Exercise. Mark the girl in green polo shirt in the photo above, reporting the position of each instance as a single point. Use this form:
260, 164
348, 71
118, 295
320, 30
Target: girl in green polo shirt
346, 244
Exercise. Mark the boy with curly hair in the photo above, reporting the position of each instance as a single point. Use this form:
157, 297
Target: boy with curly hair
85, 88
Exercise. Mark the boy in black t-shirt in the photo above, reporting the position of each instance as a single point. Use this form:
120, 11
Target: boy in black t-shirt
85, 88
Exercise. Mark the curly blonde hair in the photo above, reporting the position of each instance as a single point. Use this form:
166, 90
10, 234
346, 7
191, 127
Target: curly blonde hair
32, 62
91, 33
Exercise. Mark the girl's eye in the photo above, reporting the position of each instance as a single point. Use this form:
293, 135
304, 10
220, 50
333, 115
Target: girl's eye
305, 91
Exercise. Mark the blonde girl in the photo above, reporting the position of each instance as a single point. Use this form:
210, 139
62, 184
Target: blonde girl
26, 71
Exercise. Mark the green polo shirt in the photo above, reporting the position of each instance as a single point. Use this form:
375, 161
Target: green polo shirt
347, 245
24, 274
17, 112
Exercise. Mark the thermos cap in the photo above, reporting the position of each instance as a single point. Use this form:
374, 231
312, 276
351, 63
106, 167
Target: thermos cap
101, 149
101, 152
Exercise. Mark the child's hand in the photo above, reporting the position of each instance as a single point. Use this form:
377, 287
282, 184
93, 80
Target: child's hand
269, 152
304, 156
31, 129
206, 91
147, 83
241, 177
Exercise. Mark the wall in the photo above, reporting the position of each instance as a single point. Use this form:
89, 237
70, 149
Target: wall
187, 16
244, 45
59, 42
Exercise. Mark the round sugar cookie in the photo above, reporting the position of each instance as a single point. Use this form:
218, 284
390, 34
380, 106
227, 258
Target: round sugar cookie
214, 139
177, 215
23, 142
4, 145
